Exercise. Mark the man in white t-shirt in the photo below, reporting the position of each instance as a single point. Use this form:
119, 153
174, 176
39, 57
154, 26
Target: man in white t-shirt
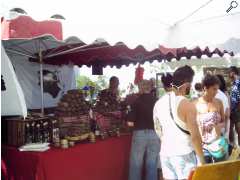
221, 96
226, 106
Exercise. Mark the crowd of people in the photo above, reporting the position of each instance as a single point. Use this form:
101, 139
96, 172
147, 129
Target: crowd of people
177, 133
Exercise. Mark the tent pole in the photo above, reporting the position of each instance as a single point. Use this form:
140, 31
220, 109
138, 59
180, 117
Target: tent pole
41, 82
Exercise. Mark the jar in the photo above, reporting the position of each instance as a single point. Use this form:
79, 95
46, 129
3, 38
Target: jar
71, 143
64, 143
118, 132
57, 142
92, 138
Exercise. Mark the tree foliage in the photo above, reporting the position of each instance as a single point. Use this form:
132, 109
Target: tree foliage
100, 84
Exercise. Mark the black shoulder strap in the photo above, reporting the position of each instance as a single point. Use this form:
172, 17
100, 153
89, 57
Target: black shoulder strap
171, 114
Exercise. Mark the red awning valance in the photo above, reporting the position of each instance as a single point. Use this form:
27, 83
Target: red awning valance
103, 54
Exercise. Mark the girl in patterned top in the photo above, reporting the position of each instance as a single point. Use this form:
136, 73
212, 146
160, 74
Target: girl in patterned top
210, 114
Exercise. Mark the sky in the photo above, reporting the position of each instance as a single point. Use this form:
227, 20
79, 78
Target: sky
134, 22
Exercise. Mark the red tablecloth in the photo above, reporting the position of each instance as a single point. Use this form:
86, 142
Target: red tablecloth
103, 160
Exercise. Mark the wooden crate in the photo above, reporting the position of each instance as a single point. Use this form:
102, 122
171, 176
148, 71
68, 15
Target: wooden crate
80, 124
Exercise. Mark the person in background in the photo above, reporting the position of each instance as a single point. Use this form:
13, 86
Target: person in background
153, 85
223, 95
210, 115
235, 103
113, 88
167, 82
199, 90
175, 123
145, 140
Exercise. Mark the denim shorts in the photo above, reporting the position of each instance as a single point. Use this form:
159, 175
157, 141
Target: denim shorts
178, 167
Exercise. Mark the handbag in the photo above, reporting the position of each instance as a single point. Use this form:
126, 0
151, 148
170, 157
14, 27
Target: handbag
218, 148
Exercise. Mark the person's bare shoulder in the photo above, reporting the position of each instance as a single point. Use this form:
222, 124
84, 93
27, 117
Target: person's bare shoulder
186, 107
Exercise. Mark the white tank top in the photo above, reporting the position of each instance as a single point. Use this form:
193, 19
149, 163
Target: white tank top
174, 141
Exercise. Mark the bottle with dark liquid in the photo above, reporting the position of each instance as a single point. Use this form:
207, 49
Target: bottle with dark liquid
38, 135
46, 136
28, 137
92, 125
32, 132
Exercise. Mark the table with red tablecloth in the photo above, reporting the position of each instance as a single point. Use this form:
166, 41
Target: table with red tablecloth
104, 160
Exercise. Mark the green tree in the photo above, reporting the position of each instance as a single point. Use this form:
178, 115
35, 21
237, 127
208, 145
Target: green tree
101, 82
84, 81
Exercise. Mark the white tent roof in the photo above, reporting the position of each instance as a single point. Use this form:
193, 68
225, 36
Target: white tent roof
147, 22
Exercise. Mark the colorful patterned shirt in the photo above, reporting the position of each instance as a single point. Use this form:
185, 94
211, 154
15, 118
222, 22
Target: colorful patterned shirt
235, 94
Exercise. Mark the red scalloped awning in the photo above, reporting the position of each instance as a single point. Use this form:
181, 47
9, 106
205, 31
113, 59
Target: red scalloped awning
27, 28
103, 54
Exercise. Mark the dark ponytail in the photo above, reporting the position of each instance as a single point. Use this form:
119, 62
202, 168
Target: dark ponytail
167, 80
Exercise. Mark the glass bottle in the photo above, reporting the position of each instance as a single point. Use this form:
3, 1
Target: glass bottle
32, 132
46, 137
38, 136
55, 132
28, 136
97, 129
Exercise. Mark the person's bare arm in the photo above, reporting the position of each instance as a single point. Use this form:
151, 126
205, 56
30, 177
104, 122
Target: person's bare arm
190, 114
131, 117
130, 124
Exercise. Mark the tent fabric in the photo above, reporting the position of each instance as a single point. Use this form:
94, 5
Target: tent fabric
57, 81
206, 62
13, 101
101, 53
44, 43
26, 27
31, 47
63, 78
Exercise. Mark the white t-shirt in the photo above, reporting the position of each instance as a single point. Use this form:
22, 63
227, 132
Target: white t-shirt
224, 99
221, 96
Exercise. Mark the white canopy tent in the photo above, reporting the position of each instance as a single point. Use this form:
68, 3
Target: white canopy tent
148, 22
13, 101
171, 23
32, 76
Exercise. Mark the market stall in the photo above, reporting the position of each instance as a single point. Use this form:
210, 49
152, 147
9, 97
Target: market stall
102, 159
70, 119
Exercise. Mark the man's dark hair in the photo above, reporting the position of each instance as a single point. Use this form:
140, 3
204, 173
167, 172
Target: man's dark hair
167, 80
222, 85
210, 80
113, 78
234, 69
198, 87
183, 75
